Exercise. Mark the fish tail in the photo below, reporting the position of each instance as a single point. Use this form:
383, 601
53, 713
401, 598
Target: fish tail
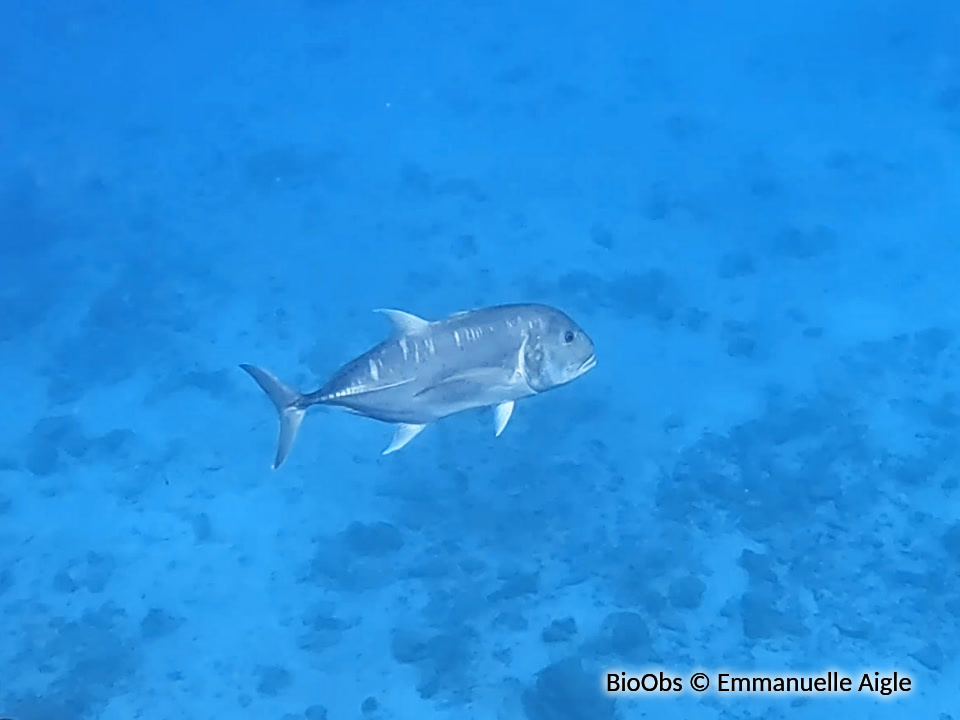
290, 407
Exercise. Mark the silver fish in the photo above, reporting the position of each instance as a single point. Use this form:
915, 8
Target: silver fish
489, 357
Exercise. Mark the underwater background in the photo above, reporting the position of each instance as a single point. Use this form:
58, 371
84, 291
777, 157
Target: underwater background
752, 208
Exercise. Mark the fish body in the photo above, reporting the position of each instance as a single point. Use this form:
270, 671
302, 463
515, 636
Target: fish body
428, 370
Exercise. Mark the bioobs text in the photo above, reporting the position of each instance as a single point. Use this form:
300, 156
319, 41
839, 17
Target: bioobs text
649, 682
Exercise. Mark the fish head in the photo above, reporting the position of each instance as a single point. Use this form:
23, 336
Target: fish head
556, 352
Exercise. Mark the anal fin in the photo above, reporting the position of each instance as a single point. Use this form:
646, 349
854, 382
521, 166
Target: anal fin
501, 415
402, 435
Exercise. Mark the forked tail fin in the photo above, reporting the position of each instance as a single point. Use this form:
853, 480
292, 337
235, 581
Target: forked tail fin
287, 401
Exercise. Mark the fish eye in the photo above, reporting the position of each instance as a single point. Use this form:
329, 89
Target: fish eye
568, 337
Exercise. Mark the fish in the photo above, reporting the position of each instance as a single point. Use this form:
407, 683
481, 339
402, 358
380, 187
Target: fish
425, 370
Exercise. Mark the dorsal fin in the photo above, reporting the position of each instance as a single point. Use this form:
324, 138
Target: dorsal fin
404, 322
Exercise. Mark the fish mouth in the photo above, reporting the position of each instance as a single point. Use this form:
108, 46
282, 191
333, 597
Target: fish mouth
587, 364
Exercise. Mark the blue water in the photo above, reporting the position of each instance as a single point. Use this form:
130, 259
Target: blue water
752, 208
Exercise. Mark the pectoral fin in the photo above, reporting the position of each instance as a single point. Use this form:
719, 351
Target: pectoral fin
402, 435
501, 414
468, 385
